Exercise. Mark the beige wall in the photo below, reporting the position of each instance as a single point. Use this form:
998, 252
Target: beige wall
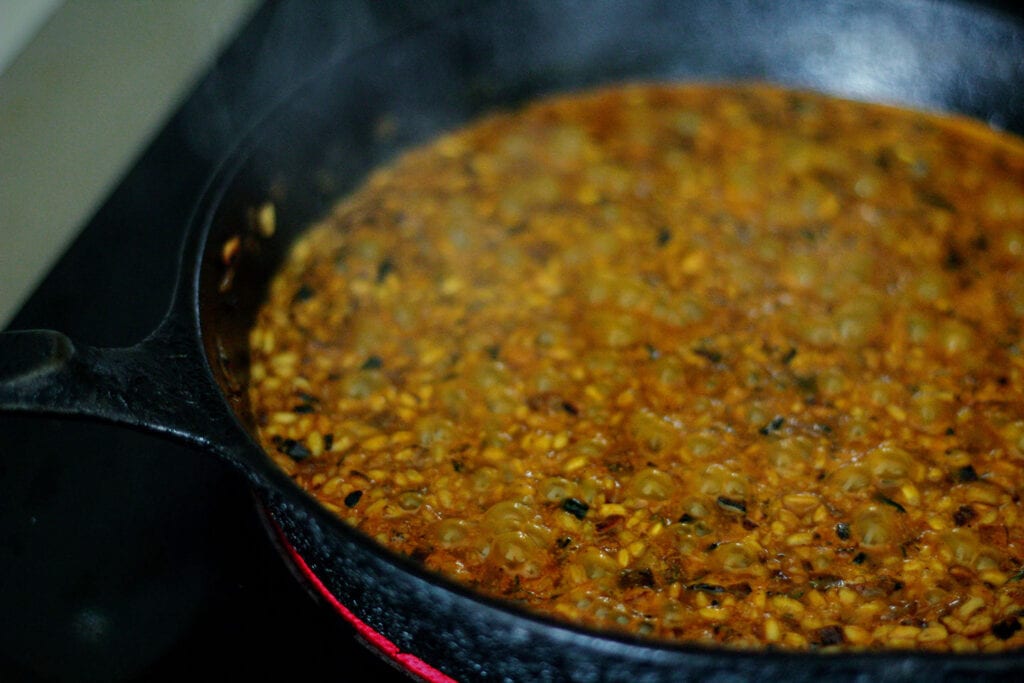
81, 93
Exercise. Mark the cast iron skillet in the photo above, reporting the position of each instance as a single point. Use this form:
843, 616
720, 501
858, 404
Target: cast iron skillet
187, 379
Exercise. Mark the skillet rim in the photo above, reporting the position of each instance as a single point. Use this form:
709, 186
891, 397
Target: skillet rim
190, 297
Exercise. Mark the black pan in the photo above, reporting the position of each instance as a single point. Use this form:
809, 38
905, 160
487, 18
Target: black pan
187, 379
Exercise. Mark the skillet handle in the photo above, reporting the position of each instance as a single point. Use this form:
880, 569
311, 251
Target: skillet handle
156, 385
25, 355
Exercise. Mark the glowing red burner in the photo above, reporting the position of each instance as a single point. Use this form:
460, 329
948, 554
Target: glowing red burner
411, 663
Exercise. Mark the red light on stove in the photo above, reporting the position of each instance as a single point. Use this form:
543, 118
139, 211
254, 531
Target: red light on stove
405, 660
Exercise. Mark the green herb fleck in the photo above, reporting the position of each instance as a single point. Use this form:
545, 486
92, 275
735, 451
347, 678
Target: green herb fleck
892, 503
576, 508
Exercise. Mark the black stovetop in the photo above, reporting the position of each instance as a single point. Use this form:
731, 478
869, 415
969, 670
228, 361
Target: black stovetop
123, 556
